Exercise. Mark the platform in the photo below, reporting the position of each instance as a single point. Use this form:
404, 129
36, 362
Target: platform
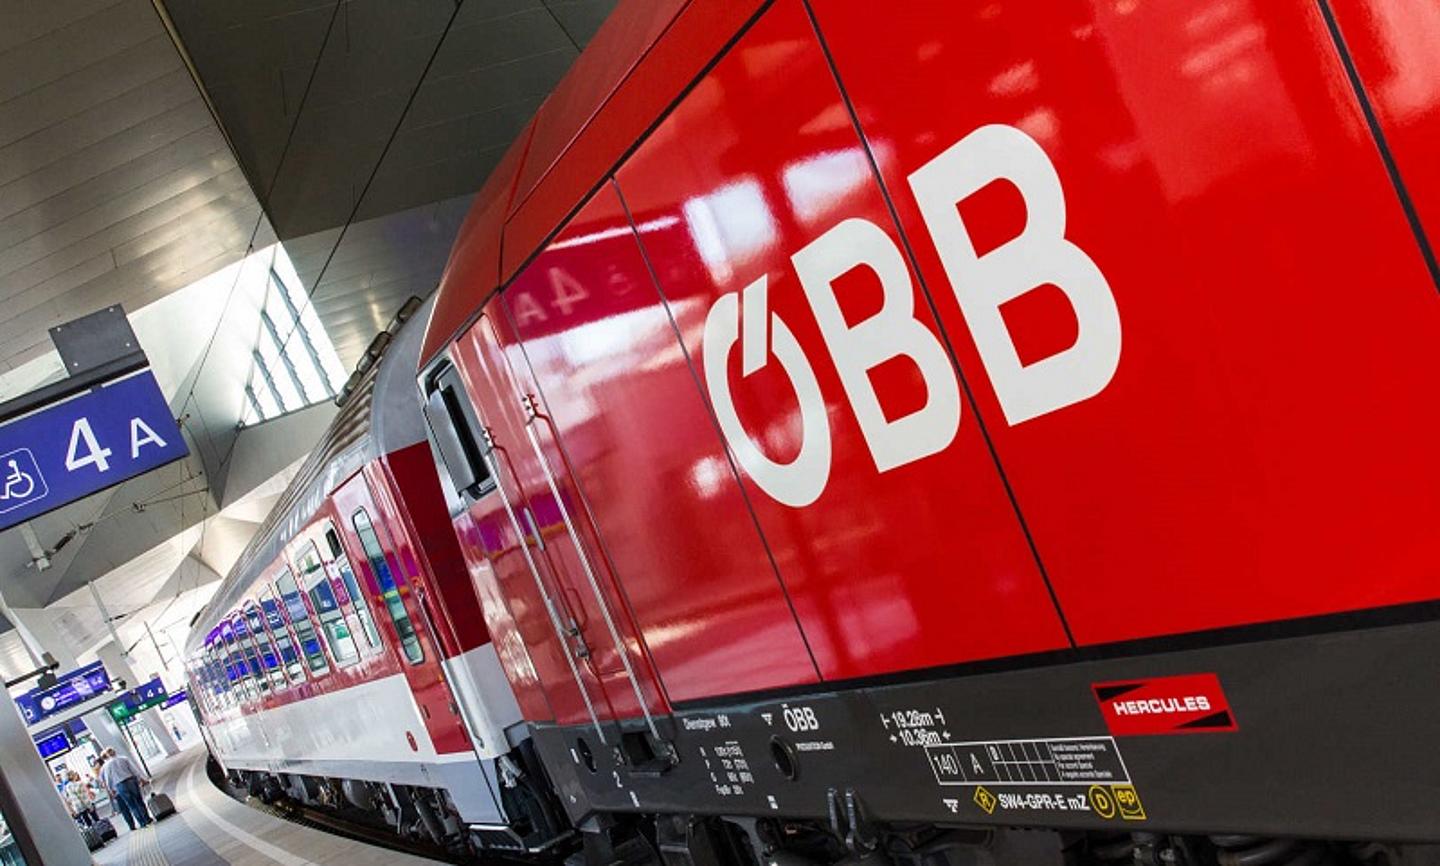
211, 829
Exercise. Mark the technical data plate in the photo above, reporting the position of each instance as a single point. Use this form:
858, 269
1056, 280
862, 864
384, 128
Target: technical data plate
1033, 747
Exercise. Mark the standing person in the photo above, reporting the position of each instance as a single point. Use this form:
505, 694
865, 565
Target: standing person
75, 800
123, 780
115, 803
81, 799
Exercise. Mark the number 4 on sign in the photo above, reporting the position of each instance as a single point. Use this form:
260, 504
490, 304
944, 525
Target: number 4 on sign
85, 449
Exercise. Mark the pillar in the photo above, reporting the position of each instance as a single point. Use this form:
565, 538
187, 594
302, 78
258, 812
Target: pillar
42, 827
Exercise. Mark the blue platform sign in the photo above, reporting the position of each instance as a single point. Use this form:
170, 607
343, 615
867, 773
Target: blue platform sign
83, 445
54, 743
75, 687
151, 692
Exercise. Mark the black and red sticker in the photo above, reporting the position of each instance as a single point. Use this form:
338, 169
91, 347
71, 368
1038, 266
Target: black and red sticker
1189, 704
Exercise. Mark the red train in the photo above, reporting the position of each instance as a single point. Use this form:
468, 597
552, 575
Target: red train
343, 663
952, 431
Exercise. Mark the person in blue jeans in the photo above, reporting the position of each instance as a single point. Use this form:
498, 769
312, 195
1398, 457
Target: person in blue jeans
121, 778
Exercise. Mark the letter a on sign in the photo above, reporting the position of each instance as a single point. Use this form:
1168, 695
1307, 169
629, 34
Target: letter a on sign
141, 434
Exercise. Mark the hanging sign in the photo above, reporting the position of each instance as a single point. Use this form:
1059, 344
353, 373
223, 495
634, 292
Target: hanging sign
75, 687
138, 700
83, 445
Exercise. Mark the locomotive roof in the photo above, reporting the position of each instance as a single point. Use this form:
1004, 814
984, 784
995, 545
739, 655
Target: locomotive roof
573, 142
383, 415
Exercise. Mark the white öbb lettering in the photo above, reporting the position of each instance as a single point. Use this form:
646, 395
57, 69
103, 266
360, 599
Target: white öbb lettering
1039, 256
799, 719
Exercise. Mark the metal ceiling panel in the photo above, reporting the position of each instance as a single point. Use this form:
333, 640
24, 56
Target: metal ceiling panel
496, 64
115, 184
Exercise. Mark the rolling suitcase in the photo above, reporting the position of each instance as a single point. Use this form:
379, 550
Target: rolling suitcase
160, 805
104, 829
93, 840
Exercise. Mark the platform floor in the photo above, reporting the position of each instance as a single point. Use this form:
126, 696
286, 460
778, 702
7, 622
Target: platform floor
211, 829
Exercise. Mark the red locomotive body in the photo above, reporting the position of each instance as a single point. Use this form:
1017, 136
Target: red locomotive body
874, 420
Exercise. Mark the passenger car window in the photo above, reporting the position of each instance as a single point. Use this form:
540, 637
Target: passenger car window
275, 622
352, 587
254, 668
219, 683
389, 588
300, 619
327, 607
269, 655
237, 669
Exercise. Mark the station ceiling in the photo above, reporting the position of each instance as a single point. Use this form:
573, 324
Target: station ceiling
146, 146
393, 112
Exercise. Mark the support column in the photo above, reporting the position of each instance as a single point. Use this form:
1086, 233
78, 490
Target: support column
117, 662
27, 637
42, 827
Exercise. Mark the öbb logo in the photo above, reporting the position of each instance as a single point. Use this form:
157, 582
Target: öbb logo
1040, 255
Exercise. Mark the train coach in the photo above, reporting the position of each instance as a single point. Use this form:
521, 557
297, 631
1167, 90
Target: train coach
344, 664
958, 432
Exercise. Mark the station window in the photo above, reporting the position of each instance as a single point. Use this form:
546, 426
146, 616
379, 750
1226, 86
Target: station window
352, 588
456, 432
293, 363
300, 619
389, 587
327, 607
275, 622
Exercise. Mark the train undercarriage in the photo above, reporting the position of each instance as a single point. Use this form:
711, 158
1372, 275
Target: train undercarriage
735, 841
425, 817
1253, 746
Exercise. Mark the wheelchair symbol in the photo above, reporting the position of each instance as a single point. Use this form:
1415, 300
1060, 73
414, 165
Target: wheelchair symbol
20, 480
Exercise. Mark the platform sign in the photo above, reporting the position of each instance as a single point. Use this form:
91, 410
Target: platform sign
175, 698
83, 445
138, 700
75, 687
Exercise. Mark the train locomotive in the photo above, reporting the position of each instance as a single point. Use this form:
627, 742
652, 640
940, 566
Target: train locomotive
946, 432
939, 431
343, 663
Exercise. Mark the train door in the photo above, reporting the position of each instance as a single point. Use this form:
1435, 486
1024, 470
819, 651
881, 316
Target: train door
369, 529
518, 445
493, 524
677, 530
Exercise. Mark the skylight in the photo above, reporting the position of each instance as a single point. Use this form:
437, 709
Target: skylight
294, 364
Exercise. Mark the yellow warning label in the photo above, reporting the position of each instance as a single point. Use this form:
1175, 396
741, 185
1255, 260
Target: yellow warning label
985, 800
1103, 802
1129, 802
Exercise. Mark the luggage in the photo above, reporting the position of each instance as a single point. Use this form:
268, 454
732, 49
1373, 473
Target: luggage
93, 840
160, 805
104, 829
